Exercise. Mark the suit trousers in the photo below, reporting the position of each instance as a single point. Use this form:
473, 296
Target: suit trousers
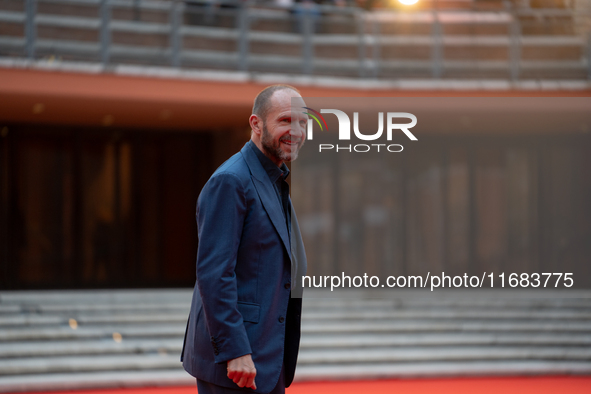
204, 387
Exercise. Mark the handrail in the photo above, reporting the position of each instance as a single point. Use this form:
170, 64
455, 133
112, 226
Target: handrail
364, 31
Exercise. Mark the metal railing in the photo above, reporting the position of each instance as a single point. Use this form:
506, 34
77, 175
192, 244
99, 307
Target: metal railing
319, 40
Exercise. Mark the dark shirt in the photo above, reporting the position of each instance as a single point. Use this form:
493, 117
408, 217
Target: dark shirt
277, 175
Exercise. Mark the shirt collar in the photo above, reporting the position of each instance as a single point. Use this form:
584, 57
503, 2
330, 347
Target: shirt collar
272, 170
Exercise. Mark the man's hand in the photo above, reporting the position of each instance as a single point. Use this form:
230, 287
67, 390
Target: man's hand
242, 371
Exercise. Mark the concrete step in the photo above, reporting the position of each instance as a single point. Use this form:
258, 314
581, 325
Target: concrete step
93, 380
309, 343
445, 369
484, 297
446, 326
448, 313
63, 333
357, 326
85, 319
117, 379
457, 339
128, 345
76, 364
398, 355
89, 339
91, 347
100, 297
373, 313
164, 360
9, 309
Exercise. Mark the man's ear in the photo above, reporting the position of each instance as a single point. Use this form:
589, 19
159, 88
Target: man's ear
256, 124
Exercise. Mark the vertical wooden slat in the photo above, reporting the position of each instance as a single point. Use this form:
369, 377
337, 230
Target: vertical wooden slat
560, 206
519, 200
6, 242
425, 230
67, 237
336, 208
202, 168
444, 153
77, 217
545, 219
149, 202
160, 214
350, 231
312, 194
117, 267
405, 175
374, 214
178, 207
134, 219
534, 207
394, 200
458, 211
583, 247
473, 227
490, 200
568, 206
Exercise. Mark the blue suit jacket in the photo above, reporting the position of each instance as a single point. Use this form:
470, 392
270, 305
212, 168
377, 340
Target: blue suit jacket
241, 303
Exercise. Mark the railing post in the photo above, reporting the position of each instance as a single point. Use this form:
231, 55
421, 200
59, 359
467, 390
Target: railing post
514, 47
376, 49
137, 10
30, 28
105, 34
362, 52
589, 55
175, 37
437, 48
243, 28
307, 50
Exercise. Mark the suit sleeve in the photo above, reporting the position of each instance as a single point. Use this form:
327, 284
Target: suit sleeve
221, 210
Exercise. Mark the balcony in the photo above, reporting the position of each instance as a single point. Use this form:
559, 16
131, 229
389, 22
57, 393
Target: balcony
459, 40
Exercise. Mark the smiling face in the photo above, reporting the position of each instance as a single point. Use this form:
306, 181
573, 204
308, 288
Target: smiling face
281, 135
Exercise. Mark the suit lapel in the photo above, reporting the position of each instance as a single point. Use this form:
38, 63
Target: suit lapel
267, 194
298, 257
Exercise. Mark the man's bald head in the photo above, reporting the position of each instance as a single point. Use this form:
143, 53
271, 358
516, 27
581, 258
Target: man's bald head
262, 102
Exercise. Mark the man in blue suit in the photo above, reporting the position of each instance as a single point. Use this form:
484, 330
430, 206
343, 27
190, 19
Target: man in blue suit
243, 331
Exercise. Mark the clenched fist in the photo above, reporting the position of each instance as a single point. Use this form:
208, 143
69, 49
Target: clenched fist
242, 371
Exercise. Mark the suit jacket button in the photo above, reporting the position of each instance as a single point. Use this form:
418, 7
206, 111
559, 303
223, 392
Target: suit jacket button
281, 319
287, 286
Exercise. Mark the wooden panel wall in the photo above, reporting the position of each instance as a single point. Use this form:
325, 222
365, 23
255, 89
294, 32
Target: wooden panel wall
456, 205
100, 207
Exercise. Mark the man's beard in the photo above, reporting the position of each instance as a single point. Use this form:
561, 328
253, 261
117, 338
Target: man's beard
273, 148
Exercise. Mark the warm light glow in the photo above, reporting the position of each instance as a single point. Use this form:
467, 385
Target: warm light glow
408, 2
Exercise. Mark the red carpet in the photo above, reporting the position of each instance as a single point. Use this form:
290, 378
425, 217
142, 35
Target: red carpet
522, 385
